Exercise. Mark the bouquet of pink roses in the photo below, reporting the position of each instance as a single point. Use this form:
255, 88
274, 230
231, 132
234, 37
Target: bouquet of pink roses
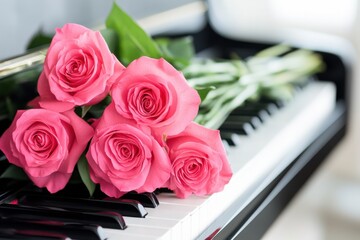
134, 128
144, 139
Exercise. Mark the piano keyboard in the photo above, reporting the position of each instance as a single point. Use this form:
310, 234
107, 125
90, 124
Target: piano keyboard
269, 135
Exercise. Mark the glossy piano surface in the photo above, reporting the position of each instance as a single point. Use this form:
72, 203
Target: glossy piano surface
275, 149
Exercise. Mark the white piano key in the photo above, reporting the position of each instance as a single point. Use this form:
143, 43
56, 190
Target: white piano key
148, 221
152, 228
170, 198
158, 222
194, 218
255, 162
170, 211
135, 233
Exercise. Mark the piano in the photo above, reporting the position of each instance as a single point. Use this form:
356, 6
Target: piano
270, 164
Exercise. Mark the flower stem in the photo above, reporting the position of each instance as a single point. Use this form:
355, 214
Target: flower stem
223, 108
272, 72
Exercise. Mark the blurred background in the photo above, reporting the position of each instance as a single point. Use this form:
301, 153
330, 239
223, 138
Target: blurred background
328, 207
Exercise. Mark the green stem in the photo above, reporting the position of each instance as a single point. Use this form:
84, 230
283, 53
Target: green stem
221, 111
211, 80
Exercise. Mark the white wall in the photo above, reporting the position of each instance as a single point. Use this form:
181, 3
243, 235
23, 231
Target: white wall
20, 19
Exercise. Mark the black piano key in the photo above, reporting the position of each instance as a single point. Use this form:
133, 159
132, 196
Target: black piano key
72, 231
10, 234
9, 187
297, 88
4, 164
74, 190
254, 121
226, 146
250, 111
163, 190
124, 207
146, 199
270, 108
231, 138
280, 103
46, 214
242, 128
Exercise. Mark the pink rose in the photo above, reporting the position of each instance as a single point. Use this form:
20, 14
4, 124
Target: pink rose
124, 156
79, 69
199, 162
155, 94
46, 145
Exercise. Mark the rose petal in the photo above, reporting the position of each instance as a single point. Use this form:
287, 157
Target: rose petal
160, 169
53, 182
83, 132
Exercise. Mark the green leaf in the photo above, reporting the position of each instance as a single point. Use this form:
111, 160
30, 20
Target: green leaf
134, 42
111, 39
10, 106
78, 111
204, 91
84, 110
14, 172
177, 51
83, 169
97, 110
7, 86
39, 39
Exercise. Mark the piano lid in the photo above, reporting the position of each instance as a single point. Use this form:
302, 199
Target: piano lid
301, 23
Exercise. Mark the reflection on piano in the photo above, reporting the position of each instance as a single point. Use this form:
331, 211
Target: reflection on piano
273, 147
